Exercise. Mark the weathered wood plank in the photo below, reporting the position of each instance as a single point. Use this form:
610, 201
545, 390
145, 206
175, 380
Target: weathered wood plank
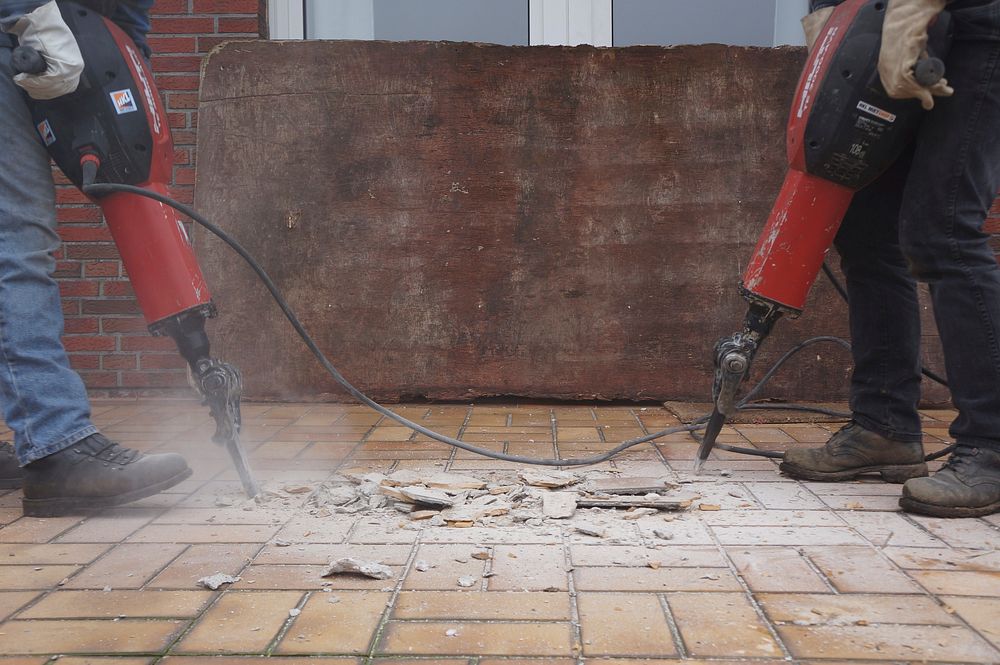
459, 220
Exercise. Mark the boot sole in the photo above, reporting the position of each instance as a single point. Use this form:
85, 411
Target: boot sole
914, 506
891, 473
59, 506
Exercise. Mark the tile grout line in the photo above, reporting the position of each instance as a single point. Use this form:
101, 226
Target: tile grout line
576, 627
751, 598
675, 631
390, 604
195, 620
554, 432
286, 626
452, 450
817, 570
907, 517
656, 449
933, 597
337, 469
248, 561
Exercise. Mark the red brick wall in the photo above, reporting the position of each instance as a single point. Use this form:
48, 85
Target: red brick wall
105, 333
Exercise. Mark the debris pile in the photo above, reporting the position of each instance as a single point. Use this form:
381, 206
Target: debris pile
530, 497
593, 503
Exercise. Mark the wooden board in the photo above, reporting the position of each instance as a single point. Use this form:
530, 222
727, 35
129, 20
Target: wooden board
458, 220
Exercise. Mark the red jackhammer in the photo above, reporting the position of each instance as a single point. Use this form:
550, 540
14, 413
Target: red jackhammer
113, 131
843, 132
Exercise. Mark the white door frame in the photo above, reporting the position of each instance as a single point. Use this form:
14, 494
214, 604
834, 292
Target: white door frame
552, 22
286, 19
569, 22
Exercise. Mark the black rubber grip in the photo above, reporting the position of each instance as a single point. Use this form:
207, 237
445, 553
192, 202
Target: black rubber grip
928, 71
26, 60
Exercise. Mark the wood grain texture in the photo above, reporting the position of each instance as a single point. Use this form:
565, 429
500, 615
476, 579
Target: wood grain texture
460, 220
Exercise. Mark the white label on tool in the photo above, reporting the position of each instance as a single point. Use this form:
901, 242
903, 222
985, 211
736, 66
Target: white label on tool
812, 78
124, 101
865, 107
45, 131
147, 90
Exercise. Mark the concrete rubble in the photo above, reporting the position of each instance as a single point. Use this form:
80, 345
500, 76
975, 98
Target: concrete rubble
559, 505
350, 565
215, 581
530, 498
608, 505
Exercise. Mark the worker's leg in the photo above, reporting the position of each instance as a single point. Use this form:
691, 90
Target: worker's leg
44, 401
69, 466
953, 182
884, 311
884, 435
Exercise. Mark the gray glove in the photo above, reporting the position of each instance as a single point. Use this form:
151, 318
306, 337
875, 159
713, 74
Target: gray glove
45, 31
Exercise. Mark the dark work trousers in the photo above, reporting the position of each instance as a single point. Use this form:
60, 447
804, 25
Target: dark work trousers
923, 221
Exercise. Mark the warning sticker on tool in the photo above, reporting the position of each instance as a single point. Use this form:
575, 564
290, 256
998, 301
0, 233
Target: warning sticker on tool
45, 131
865, 107
124, 101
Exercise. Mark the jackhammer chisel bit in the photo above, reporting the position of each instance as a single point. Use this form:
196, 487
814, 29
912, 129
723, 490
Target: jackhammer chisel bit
221, 384
732, 362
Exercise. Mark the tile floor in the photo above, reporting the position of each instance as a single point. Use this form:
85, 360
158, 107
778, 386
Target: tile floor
782, 571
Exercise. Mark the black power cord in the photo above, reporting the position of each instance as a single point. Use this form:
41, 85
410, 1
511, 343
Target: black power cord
99, 189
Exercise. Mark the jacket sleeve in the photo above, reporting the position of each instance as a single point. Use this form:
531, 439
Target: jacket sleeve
132, 16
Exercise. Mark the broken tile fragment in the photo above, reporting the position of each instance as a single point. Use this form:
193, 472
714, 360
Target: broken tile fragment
333, 495
350, 565
452, 482
550, 479
215, 581
427, 496
624, 501
401, 478
637, 513
629, 485
591, 530
559, 505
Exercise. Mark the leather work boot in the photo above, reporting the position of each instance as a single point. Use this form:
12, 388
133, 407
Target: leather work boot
11, 476
854, 451
968, 485
96, 473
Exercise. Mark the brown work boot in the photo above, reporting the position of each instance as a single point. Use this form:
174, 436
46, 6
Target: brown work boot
854, 451
11, 476
968, 485
96, 473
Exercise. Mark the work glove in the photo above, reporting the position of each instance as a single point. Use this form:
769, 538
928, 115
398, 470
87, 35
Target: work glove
812, 25
904, 41
45, 31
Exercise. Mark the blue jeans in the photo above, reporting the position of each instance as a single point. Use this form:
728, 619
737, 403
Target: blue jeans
44, 401
923, 221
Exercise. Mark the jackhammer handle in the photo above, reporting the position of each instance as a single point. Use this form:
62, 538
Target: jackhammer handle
928, 71
26, 60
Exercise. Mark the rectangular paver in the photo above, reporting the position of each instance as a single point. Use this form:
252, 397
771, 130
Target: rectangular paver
619, 624
241, 622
